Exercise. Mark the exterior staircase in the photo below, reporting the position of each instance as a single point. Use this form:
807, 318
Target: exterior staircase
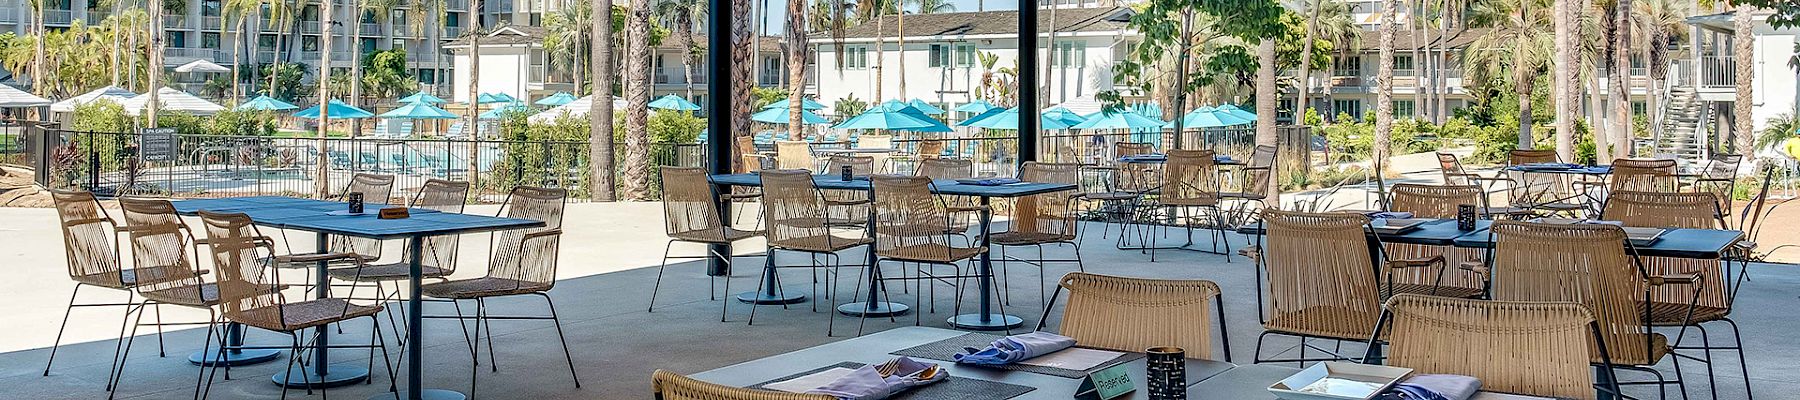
1684, 128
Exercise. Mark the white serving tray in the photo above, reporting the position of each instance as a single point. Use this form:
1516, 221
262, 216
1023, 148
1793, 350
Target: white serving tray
1338, 381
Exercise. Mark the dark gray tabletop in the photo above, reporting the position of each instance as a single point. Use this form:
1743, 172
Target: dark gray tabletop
1441, 232
943, 186
1679, 243
1583, 170
1251, 382
875, 349
311, 215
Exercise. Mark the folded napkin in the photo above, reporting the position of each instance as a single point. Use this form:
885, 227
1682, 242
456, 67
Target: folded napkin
1015, 348
1552, 165
1435, 387
988, 181
1144, 157
1389, 214
867, 383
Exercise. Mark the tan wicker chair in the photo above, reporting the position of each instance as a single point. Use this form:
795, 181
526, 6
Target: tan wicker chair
799, 221
520, 262
879, 160
1042, 220
849, 208
1540, 193
1521, 157
1527, 348
1133, 314
1644, 175
1585, 264
1322, 280
92, 259
376, 189
439, 252
945, 168
912, 227
238, 252
691, 214
795, 154
1190, 184
1252, 183
665, 385
1670, 305
1447, 270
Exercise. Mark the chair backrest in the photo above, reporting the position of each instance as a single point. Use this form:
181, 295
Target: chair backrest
1450, 165
1432, 201
910, 221
666, 385
946, 168
1522, 157
87, 241
793, 210
446, 196
159, 246
1122, 149
1134, 314
1651, 175
690, 207
875, 142
375, 189
1190, 177
234, 244
1321, 278
1584, 264
931, 149
1723, 166
1047, 213
794, 154
1528, 348
859, 165
1663, 210
520, 255
1262, 169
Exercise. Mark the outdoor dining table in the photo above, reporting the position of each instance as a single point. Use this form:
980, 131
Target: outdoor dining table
1674, 242
312, 216
985, 319
1251, 382
876, 348
1584, 170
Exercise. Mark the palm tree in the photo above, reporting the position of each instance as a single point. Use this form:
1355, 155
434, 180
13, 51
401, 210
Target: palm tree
239, 12
473, 123
681, 15
796, 65
1516, 49
743, 62
565, 39
322, 171
376, 11
1384, 86
1618, 77
1322, 15
600, 116
426, 14
1660, 23
1743, 54
283, 14
151, 107
873, 10
1338, 26
37, 66
637, 98
1567, 89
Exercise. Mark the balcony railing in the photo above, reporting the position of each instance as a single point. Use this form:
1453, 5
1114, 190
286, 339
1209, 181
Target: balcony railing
1715, 72
452, 31
95, 17
371, 29
309, 26
9, 14
342, 56
456, 5
186, 52
402, 30
265, 56
175, 21
58, 17
212, 23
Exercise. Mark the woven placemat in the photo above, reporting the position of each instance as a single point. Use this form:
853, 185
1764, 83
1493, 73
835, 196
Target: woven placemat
943, 350
952, 388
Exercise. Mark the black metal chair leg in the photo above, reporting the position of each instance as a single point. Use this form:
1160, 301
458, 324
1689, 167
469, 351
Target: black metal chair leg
559, 337
59, 328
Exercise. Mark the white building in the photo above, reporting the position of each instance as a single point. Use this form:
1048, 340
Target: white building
1716, 80
514, 61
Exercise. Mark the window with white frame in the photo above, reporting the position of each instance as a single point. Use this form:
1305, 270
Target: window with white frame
965, 55
856, 57
1070, 55
938, 56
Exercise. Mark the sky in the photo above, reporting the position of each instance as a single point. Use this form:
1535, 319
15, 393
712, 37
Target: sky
778, 11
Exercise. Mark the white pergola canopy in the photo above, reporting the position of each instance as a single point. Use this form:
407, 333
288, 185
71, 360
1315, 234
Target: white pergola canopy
13, 97
202, 66
576, 109
172, 100
110, 93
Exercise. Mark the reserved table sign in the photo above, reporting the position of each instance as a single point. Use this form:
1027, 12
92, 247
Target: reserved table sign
1105, 384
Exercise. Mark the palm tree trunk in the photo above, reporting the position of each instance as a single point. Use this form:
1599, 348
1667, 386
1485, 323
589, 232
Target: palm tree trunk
152, 107
356, 51
1306, 52
1267, 94
1416, 24
322, 176
237, 61
796, 66
742, 66
473, 126
1619, 80
1565, 88
880, 54
1743, 53
637, 98
1050, 53
687, 51
1597, 124
1329, 113
900, 35
115, 42
37, 64
600, 127
1384, 82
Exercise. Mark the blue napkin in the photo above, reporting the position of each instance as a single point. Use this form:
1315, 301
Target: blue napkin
1389, 214
1598, 169
1015, 348
1144, 157
868, 384
988, 181
1435, 387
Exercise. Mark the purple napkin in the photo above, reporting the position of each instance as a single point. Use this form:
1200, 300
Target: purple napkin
867, 384
1389, 214
1015, 348
1437, 387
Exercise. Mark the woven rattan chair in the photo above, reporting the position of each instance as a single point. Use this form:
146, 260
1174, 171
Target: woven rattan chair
1586, 264
799, 222
1445, 270
849, 208
520, 262
1656, 175
691, 215
1670, 305
376, 189
1042, 220
945, 168
239, 253
1252, 183
795, 154
911, 227
1719, 177
1133, 314
880, 160
93, 260
1322, 280
1526, 348
1539, 193
1187, 198
1455, 175
1521, 156
665, 385
439, 257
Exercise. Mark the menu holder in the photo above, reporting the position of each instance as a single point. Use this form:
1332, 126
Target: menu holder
1105, 384
394, 213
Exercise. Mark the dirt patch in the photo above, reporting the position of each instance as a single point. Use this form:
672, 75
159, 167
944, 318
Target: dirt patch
1781, 227
18, 190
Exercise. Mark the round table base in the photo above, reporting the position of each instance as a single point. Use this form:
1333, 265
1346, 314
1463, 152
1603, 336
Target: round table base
758, 297
994, 322
211, 356
879, 309
427, 394
341, 374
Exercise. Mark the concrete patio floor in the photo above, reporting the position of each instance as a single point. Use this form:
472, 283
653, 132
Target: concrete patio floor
607, 269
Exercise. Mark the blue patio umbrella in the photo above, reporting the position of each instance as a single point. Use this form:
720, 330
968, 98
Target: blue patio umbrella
266, 103
1009, 120
673, 102
805, 104
1209, 117
501, 111
927, 108
419, 110
491, 98
893, 120
560, 98
1123, 119
422, 97
983, 115
1064, 115
338, 110
1238, 112
977, 107
779, 116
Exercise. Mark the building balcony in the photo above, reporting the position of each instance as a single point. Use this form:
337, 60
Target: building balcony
342, 56
176, 22
58, 17
96, 17
369, 29
456, 5
265, 56
212, 23
452, 31
1714, 72
194, 53
9, 15
402, 30
309, 27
